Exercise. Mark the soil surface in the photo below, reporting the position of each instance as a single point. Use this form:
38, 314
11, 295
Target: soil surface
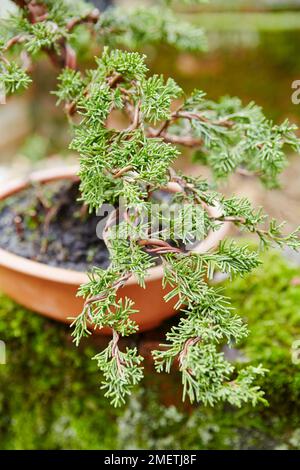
47, 224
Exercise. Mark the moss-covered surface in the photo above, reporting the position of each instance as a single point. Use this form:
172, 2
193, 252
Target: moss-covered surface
50, 399
49, 394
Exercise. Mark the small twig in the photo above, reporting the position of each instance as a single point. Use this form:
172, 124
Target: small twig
114, 79
200, 117
91, 17
37, 11
244, 172
240, 220
70, 57
51, 214
44, 246
122, 171
115, 352
163, 251
112, 219
4, 59
136, 119
153, 242
41, 198
18, 222
115, 343
95, 298
15, 40
189, 343
172, 187
161, 246
186, 141
102, 295
161, 129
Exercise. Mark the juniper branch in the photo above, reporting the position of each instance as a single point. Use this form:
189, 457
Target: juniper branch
134, 163
121, 158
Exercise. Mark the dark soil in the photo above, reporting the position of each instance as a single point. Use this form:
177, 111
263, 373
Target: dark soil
68, 241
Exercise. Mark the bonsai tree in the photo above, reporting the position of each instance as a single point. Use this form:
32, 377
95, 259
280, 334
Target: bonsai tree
134, 164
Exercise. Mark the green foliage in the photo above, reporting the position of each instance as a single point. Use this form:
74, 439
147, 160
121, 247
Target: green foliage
55, 26
239, 137
158, 97
274, 324
121, 372
71, 86
61, 11
102, 150
43, 35
133, 163
131, 65
231, 259
209, 319
13, 78
142, 25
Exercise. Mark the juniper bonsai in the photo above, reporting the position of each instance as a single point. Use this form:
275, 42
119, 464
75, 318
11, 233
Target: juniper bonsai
133, 164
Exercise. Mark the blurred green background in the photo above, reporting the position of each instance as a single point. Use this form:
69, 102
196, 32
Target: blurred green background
49, 396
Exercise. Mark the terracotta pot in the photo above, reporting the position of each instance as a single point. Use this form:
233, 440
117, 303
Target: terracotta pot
51, 291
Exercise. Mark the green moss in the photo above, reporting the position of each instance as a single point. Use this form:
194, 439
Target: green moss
50, 398
270, 303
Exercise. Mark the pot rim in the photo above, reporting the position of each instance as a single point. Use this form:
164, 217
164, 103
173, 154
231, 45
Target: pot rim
69, 276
